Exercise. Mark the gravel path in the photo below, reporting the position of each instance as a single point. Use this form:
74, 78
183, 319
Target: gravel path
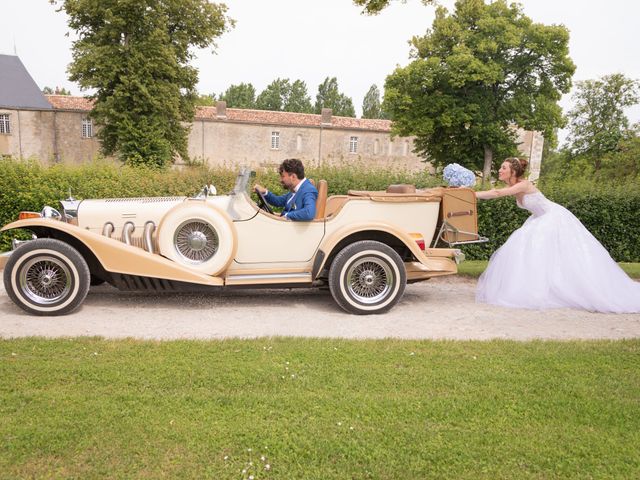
438, 309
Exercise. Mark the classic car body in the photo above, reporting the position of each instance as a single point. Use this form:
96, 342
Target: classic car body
365, 245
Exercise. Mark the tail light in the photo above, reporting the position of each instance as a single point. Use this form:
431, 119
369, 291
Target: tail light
419, 239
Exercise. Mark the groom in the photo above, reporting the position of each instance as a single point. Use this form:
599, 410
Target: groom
300, 203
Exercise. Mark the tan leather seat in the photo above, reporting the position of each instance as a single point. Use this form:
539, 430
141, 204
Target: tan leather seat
401, 188
321, 202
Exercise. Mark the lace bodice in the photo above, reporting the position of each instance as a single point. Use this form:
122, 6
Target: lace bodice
536, 203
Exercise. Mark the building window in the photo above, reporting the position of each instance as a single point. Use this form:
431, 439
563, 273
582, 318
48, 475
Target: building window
275, 140
87, 128
299, 142
376, 147
5, 125
353, 145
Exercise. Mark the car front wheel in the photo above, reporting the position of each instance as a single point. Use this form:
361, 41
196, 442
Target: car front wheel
367, 277
47, 277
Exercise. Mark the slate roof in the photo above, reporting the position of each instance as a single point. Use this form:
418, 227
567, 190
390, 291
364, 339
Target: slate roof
82, 104
17, 89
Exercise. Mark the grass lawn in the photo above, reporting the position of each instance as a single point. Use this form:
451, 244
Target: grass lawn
319, 409
473, 268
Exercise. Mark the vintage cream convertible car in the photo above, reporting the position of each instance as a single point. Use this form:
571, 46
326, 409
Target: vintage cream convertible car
366, 245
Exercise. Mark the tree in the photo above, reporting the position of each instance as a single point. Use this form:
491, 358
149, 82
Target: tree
282, 95
275, 96
55, 91
204, 100
476, 75
135, 55
240, 96
373, 7
597, 122
330, 97
299, 100
371, 105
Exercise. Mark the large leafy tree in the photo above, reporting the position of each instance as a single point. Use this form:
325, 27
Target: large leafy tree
371, 105
282, 95
478, 73
597, 121
242, 95
329, 96
373, 7
275, 95
299, 100
134, 55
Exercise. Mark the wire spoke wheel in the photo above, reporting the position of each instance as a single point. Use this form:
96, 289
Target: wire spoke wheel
46, 276
367, 277
196, 241
45, 280
369, 280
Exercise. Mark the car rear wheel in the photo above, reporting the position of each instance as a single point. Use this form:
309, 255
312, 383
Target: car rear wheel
47, 277
367, 277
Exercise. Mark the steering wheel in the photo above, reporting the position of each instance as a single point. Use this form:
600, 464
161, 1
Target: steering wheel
262, 202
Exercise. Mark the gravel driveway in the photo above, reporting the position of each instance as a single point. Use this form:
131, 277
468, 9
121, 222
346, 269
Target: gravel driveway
437, 309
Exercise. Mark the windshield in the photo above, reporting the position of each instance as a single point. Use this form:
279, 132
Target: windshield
242, 180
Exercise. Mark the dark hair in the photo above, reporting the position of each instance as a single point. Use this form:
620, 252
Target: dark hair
292, 165
518, 165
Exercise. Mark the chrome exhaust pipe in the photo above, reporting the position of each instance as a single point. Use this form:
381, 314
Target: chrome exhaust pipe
108, 229
149, 228
127, 230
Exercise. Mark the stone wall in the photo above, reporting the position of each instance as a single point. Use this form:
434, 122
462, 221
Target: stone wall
230, 137
49, 136
230, 144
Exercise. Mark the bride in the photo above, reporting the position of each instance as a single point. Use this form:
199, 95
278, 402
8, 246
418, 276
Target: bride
552, 261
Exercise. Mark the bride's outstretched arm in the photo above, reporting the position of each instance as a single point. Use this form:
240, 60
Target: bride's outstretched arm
519, 187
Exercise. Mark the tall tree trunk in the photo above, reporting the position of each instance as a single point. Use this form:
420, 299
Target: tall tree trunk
488, 161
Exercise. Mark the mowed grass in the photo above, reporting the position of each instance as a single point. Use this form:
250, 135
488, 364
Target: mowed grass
319, 409
474, 268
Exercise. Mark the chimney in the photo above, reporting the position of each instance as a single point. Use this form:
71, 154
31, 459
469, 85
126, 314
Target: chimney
221, 109
326, 116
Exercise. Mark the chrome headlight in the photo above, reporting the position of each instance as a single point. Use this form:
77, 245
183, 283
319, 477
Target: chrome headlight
70, 209
50, 212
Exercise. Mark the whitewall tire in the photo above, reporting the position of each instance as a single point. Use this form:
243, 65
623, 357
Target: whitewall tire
198, 236
367, 277
46, 277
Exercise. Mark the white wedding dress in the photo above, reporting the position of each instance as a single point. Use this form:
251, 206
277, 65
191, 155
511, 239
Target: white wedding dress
553, 261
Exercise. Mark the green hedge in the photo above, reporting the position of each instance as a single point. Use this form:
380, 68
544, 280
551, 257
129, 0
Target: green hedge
611, 213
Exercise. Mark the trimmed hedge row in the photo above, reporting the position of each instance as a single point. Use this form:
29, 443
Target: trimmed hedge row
611, 213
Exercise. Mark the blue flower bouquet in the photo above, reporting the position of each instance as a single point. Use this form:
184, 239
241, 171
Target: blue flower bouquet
457, 176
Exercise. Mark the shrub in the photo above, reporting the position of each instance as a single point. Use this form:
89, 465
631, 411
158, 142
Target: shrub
609, 212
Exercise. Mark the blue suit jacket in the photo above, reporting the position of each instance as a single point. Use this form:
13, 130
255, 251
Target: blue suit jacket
303, 205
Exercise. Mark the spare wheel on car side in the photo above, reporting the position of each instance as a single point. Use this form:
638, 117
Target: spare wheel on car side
199, 236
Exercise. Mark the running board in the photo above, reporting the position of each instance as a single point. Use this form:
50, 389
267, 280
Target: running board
268, 278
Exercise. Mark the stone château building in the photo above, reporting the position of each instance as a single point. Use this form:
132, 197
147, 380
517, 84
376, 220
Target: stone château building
58, 128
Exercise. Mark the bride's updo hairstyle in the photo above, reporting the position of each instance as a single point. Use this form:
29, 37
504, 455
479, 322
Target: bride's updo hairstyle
518, 165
